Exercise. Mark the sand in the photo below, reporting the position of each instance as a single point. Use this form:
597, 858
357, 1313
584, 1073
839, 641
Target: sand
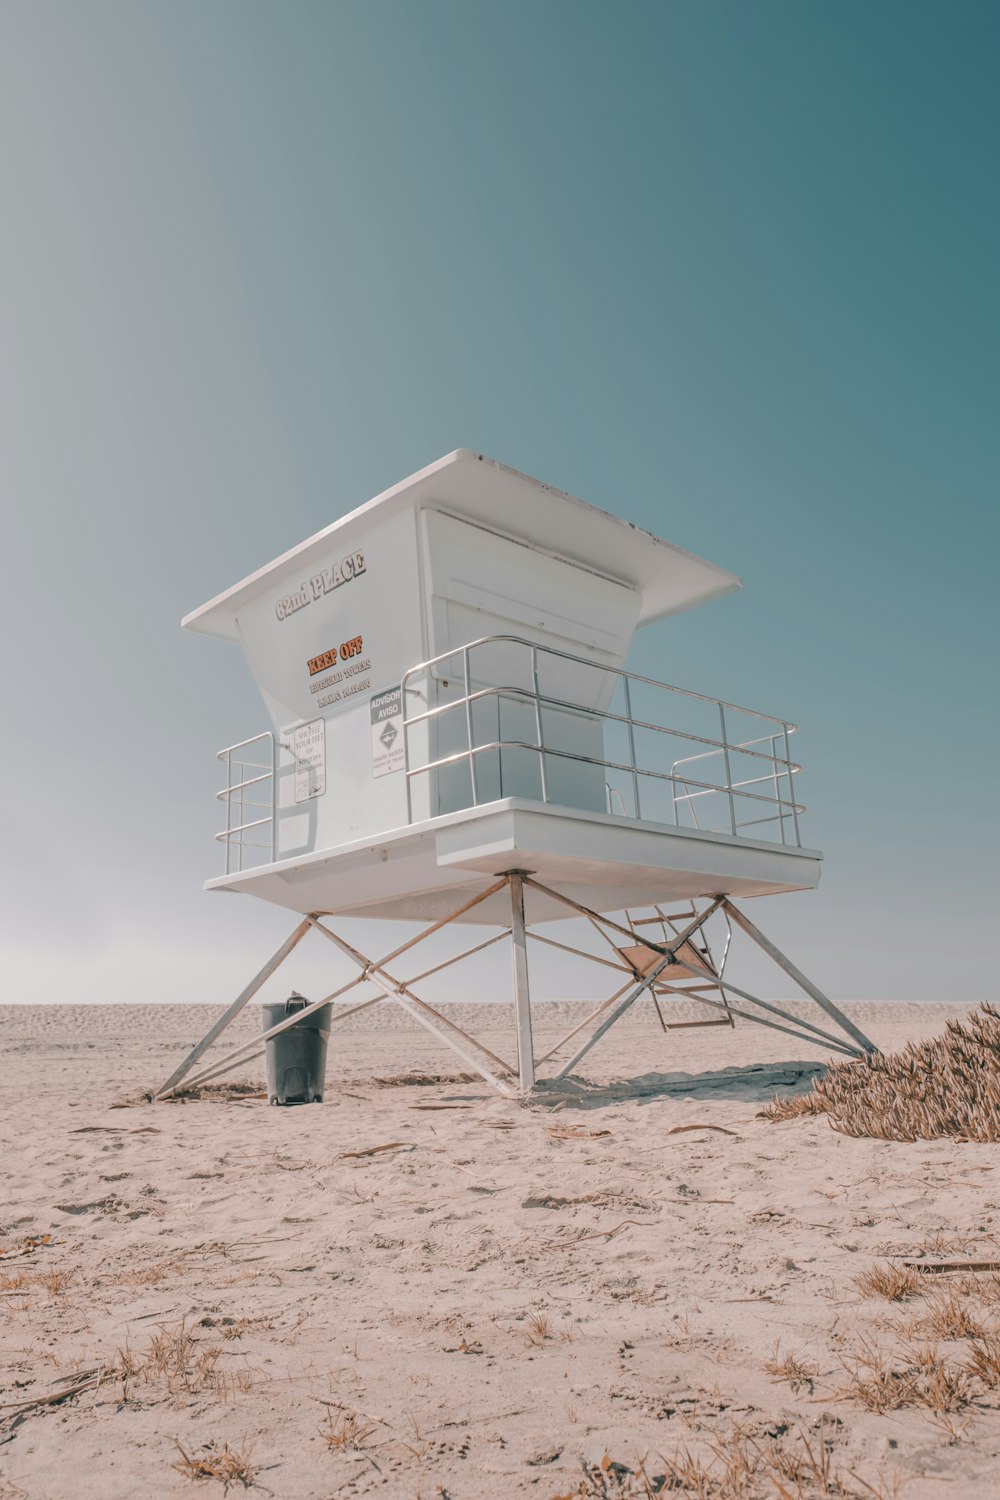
500, 1298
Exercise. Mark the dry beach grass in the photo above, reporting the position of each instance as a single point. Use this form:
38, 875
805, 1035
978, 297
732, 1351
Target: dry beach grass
937, 1086
635, 1287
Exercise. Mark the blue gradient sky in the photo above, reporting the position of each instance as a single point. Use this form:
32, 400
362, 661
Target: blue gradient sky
729, 270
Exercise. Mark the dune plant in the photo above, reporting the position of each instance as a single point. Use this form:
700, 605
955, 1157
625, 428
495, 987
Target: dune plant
947, 1086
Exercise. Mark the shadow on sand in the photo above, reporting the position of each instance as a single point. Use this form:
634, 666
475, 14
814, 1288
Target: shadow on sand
757, 1083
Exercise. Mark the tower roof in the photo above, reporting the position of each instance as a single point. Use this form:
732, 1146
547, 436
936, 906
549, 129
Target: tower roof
490, 494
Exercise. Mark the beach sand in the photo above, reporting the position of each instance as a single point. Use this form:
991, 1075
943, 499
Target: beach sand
422, 1289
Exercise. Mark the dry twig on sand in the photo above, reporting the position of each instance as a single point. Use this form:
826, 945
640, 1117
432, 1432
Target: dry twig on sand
376, 1150
72, 1386
942, 1266
948, 1086
596, 1234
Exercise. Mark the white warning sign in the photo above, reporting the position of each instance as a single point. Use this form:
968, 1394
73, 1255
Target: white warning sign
309, 750
387, 732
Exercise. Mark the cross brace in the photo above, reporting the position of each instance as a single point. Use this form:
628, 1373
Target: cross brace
689, 978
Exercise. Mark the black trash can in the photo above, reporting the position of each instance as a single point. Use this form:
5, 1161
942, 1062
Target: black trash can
296, 1058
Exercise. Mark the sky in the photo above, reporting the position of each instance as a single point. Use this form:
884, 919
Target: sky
725, 269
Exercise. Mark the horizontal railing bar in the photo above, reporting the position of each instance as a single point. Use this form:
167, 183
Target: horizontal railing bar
747, 781
265, 735
594, 713
584, 661
242, 828
266, 773
687, 781
690, 796
743, 746
588, 760
756, 780
718, 746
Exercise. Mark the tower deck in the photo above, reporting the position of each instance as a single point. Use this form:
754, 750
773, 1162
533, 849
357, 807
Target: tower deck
600, 860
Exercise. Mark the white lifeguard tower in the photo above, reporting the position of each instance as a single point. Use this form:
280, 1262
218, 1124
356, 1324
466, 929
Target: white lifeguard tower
455, 739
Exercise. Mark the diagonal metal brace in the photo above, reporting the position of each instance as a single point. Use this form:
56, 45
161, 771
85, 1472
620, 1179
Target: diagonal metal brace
422, 1012
775, 953
669, 957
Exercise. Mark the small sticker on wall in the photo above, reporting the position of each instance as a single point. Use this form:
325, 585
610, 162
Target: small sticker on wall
387, 732
309, 750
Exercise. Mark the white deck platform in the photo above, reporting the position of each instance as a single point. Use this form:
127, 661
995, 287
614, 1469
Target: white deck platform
605, 862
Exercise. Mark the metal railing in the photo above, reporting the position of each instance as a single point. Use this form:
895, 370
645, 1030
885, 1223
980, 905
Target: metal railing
737, 786
258, 772
780, 766
761, 798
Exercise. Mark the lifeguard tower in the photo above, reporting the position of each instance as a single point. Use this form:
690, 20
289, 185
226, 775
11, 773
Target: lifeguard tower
455, 740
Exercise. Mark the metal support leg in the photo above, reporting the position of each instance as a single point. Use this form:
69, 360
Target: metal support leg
522, 993
779, 958
274, 962
478, 1056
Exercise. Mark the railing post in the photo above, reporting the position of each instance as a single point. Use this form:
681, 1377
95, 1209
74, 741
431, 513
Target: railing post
274, 795
229, 810
468, 725
631, 750
673, 791
729, 771
791, 788
777, 787
522, 992
538, 723
242, 771
403, 689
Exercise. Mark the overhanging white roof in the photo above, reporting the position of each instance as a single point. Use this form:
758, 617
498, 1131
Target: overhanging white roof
482, 490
